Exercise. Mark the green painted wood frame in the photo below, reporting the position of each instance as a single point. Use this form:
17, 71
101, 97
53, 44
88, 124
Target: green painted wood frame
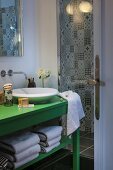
13, 119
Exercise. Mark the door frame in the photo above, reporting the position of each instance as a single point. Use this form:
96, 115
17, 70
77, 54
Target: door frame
98, 124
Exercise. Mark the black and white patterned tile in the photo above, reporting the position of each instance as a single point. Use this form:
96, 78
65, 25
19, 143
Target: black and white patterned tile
76, 56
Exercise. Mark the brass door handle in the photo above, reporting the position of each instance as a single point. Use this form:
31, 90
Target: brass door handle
97, 87
92, 82
95, 82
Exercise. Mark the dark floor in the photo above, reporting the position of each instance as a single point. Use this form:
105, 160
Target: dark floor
86, 151
66, 164
86, 156
87, 145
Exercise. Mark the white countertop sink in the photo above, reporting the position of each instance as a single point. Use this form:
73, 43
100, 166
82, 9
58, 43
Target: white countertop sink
35, 95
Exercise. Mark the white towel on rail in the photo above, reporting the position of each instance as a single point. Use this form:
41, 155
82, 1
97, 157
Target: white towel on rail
75, 110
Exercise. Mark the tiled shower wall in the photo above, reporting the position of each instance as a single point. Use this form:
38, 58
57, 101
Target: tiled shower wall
9, 25
75, 56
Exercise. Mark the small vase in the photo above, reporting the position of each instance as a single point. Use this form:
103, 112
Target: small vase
43, 83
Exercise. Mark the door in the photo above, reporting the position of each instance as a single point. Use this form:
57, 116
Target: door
103, 38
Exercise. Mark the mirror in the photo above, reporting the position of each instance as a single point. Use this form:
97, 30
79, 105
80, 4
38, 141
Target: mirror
11, 41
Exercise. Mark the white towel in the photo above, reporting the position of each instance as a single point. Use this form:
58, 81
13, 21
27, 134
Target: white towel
48, 133
22, 155
50, 142
26, 160
48, 149
20, 142
75, 110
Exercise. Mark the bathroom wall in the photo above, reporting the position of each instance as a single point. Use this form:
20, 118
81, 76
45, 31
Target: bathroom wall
29, 62
40, 44
47, 29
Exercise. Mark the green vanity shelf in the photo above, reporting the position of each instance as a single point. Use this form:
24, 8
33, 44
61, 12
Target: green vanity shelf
13, 119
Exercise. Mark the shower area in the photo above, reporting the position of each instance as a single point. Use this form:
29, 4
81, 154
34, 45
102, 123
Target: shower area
76, 63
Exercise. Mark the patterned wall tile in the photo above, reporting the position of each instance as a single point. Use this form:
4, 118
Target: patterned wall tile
76, 56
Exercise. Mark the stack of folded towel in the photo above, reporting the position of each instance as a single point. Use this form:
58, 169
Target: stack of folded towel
49, 137
20, 148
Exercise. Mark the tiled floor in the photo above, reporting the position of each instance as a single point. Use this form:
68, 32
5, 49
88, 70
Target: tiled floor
87, 145
86, 155
86, 151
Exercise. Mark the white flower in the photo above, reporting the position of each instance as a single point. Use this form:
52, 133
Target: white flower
43, 73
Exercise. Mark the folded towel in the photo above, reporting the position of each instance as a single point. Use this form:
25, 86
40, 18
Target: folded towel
22, 155
75, 110
48, 133
50, 142
20, 142
24, 161
48, 149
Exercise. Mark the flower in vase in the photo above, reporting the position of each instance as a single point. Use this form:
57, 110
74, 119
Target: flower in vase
43, 74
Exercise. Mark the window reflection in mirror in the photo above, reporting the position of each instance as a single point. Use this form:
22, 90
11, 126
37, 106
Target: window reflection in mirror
11, 41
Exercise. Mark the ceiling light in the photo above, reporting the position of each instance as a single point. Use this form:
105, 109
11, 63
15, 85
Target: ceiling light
69, 9
85, 7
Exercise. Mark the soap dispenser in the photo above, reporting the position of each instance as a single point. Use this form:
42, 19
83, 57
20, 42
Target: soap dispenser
8, 98
31, 82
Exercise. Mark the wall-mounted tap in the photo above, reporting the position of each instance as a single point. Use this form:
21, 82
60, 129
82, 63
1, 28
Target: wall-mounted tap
11, 73
3, 73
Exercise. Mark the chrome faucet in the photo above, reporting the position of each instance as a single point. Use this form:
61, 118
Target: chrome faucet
11, 73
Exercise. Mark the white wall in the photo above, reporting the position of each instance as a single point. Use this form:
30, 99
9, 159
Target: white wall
40, 43
29, 61
47, 26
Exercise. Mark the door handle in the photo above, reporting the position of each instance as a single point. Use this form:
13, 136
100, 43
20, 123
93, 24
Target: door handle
97, 87
90, 82
97, 83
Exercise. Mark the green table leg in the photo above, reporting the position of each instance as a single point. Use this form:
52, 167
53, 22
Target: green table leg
76, 150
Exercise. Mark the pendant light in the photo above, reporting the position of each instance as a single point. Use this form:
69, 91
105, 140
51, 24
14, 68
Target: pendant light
70, 9
85, 6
